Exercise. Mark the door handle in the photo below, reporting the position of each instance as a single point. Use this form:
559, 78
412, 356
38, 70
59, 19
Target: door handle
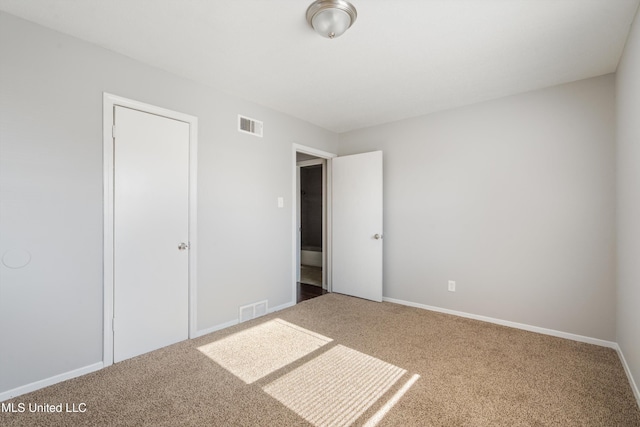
182, 246
377, 236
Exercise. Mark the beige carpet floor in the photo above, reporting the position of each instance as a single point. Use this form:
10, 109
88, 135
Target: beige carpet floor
337, 360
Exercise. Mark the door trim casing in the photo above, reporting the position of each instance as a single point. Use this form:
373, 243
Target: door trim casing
297, 148
109, 101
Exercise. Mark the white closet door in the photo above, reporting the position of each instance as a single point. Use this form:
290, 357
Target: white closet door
151, 229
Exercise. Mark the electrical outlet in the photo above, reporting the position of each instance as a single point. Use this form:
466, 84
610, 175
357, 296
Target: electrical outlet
452, 286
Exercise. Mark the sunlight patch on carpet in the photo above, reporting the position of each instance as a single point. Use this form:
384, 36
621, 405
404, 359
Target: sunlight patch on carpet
378, 416
335, 388
258, 351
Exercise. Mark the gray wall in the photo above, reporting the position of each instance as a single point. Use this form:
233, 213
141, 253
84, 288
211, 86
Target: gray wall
628, 138
514, 199
51, 89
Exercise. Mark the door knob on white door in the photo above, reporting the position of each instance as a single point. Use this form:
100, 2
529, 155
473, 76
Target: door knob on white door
377, 236
182, 246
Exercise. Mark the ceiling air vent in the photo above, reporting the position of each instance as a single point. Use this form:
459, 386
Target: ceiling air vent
250, 126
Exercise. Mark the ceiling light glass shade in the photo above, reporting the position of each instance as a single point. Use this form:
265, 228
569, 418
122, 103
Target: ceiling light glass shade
331, 18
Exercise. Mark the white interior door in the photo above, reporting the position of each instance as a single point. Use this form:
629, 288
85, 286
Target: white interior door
151, 221
357, 225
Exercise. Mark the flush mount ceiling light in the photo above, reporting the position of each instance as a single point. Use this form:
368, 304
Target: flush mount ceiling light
331, 18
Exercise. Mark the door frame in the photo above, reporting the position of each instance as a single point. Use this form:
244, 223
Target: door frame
109, 101
326, 238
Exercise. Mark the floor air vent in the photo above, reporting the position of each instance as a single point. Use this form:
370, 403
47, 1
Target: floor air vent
251, 311
250, 126
246, 313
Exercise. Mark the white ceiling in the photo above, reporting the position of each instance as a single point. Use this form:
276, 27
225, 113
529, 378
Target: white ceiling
402, 58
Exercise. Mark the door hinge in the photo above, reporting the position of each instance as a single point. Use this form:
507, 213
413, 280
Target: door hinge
113, 131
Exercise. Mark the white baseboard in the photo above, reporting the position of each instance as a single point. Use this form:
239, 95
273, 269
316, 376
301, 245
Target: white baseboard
516, 325
18, 391
215, 328
281, 307
634, 386
236, 321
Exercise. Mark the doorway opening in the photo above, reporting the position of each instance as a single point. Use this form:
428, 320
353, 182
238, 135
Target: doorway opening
311, 220
311, 261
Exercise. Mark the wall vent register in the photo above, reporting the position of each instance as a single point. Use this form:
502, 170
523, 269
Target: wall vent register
251, 311
250, 126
